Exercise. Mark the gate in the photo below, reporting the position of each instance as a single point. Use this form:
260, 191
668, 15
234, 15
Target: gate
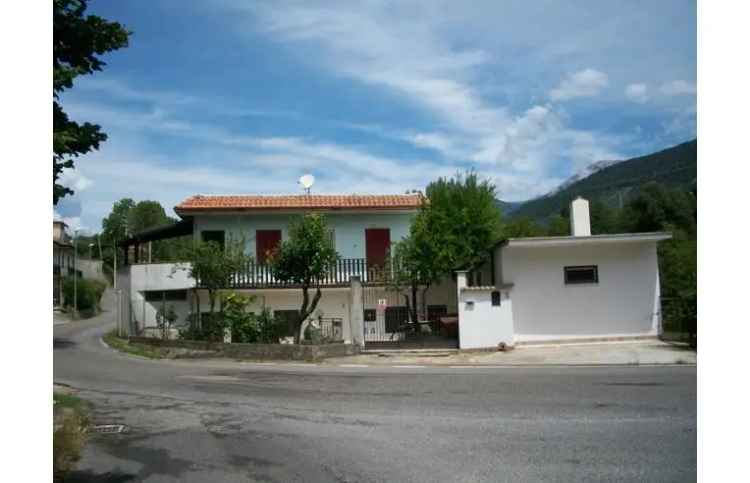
388, 326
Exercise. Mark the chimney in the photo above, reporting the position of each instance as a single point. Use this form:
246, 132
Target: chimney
580, 224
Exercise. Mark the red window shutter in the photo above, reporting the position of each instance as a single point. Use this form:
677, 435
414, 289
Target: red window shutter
266, 244
377, 243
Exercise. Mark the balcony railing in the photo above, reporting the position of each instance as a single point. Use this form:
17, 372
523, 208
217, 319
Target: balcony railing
258, 275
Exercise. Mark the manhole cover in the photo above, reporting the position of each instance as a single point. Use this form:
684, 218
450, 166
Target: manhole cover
109, 428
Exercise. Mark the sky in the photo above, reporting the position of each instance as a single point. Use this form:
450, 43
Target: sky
241, 96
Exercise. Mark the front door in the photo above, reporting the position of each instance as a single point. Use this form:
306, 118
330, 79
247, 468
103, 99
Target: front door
266, 244
377, 243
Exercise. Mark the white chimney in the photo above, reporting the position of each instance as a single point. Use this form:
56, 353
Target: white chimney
580, 224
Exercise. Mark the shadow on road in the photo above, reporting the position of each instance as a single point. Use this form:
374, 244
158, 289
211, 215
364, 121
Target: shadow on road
59, 343
90, 476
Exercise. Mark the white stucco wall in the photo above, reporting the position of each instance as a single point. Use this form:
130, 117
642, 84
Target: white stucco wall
623, 303
157, 276
349, 229
481, 324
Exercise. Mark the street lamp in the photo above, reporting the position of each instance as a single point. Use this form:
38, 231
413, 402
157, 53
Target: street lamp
91, 251
75, 274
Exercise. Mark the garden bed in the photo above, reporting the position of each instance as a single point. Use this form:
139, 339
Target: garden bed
306, 352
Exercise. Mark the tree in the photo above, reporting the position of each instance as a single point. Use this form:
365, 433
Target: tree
522, 227
461, 222
78, 41
304, 259
212, 267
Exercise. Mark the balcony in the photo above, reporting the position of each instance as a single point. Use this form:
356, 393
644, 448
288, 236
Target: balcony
257, 276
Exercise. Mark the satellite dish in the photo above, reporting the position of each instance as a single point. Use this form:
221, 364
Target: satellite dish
307, 181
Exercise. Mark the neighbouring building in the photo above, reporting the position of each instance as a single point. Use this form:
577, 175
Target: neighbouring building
62, 259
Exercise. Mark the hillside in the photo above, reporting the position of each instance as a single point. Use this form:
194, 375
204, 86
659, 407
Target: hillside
675, 167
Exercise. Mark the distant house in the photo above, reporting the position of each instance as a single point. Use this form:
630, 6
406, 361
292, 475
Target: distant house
62, 259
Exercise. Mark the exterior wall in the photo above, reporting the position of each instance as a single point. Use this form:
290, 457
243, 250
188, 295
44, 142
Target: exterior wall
349, 229
482, 325
91, 269
623, 303
156, 276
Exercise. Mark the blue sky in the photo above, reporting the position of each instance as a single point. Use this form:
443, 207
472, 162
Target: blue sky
237, 96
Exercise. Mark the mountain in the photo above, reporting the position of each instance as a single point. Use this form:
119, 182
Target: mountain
613, 181
508, 207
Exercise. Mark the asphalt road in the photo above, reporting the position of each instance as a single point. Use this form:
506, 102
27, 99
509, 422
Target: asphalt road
227, 421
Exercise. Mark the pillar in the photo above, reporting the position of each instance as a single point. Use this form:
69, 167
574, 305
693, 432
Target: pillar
356, 312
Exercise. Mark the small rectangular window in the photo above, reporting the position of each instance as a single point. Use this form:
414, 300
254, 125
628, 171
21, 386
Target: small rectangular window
216, 236
496, 298
582, 274
370, 315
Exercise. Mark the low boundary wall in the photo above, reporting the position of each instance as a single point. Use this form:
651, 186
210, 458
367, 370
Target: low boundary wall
293, 352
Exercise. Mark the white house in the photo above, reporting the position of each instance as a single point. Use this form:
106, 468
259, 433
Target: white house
533, 290
363, 229
564, 288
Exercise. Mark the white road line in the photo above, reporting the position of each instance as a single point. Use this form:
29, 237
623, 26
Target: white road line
409, 367
104, 344
353, 365
263, 363
300, 365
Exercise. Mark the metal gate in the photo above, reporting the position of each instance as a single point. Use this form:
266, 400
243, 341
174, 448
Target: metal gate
387, 321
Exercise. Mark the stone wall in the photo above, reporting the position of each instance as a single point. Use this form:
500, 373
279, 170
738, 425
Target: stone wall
304, 352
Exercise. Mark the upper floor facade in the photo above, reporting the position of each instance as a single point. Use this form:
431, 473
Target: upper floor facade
363, 227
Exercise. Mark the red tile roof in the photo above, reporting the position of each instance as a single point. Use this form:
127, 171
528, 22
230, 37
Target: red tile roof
297, 202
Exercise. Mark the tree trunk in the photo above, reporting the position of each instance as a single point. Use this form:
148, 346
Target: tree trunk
197, 307
414, 316
307, 308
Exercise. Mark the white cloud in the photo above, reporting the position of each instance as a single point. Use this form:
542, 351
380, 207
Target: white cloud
73, 222
74, 180
637, 92
584, 83
678, 87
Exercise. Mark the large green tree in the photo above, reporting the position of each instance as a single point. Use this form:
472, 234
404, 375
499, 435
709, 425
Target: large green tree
79, 41
461, 222
304, 259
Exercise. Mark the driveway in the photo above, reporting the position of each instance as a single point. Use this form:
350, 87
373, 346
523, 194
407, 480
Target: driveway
610, 353
225, 421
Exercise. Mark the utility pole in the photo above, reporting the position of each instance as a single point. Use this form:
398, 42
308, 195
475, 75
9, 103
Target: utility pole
75, 274
99, 241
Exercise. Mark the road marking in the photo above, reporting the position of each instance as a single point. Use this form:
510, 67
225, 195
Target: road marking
300, 365
409, 367
263, 363
104, 344
353, 365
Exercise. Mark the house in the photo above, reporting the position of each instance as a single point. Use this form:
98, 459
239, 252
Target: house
62, 259
580, 287
530, 291
363, 229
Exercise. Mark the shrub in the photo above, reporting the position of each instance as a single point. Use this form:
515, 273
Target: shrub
89, 292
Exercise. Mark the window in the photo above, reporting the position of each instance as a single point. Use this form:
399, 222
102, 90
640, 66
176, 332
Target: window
496, 298
370, 315
582, 274
267, 242
216, 236
168, 295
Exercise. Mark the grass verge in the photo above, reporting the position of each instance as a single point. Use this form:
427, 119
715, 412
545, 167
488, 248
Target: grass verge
70, 432
123, 345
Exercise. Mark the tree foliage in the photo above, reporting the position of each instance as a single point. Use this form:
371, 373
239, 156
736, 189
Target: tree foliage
304, 259
79, 40
461, 222
212, 266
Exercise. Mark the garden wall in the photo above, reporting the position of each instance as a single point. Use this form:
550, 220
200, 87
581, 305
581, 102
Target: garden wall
292, 352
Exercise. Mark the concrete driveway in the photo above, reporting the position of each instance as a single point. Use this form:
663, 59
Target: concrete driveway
620, 353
